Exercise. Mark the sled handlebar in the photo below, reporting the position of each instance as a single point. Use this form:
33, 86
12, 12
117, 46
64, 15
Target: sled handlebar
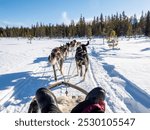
67, 85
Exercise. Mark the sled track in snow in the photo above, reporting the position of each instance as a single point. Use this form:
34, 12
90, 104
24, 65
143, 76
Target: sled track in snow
43, 71
93, 77
137, 95
103, 81
39, 70
20, 88
136, 92
96, 82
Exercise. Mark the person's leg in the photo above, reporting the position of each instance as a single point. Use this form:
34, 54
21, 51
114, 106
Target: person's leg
93, 103
96, 94
33, 108
47, 101
80, 107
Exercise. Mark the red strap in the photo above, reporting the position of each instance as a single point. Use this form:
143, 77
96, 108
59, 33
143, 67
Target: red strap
100, 105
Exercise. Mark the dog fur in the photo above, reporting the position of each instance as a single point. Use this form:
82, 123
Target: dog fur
81, 58
56, 58
73, 45
64, 50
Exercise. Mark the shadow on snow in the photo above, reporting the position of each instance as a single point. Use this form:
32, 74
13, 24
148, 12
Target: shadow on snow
23, 85
135, 91
146, 49
138, 94
40, 59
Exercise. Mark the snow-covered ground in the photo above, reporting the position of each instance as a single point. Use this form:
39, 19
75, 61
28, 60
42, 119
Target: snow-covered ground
124, 72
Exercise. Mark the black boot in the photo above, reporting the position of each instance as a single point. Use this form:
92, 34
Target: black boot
96, 95
47, 101
93, 103
33, 108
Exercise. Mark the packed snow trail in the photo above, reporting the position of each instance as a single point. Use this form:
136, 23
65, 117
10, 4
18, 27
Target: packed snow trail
25, 68
118, 98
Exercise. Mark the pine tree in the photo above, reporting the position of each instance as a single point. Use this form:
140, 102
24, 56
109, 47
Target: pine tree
102, 24
72, 29
94, 27
134, 24
88, 31
129, 31
99, 26
1, 32
141, 24
147, 28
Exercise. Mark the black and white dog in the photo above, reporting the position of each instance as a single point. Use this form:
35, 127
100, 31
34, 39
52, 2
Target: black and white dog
56, 58
64, 50
81, 58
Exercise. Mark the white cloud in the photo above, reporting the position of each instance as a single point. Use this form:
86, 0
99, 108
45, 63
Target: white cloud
65, 19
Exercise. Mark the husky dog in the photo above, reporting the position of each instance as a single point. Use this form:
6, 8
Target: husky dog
64, 50
73, 44
78, 44
56, 58
81, 58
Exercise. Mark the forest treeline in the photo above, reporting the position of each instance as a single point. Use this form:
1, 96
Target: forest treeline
100, 26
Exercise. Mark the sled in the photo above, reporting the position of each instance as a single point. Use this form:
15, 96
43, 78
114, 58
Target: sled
58, 83
52, 86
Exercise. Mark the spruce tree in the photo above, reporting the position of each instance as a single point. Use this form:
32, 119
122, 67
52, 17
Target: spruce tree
147, 28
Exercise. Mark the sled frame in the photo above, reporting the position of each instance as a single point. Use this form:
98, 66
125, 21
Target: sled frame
30, 110
67, 85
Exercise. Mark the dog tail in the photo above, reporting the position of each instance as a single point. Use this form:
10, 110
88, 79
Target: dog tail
87, 43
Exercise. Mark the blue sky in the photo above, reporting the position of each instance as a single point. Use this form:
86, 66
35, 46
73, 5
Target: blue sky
28, 12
